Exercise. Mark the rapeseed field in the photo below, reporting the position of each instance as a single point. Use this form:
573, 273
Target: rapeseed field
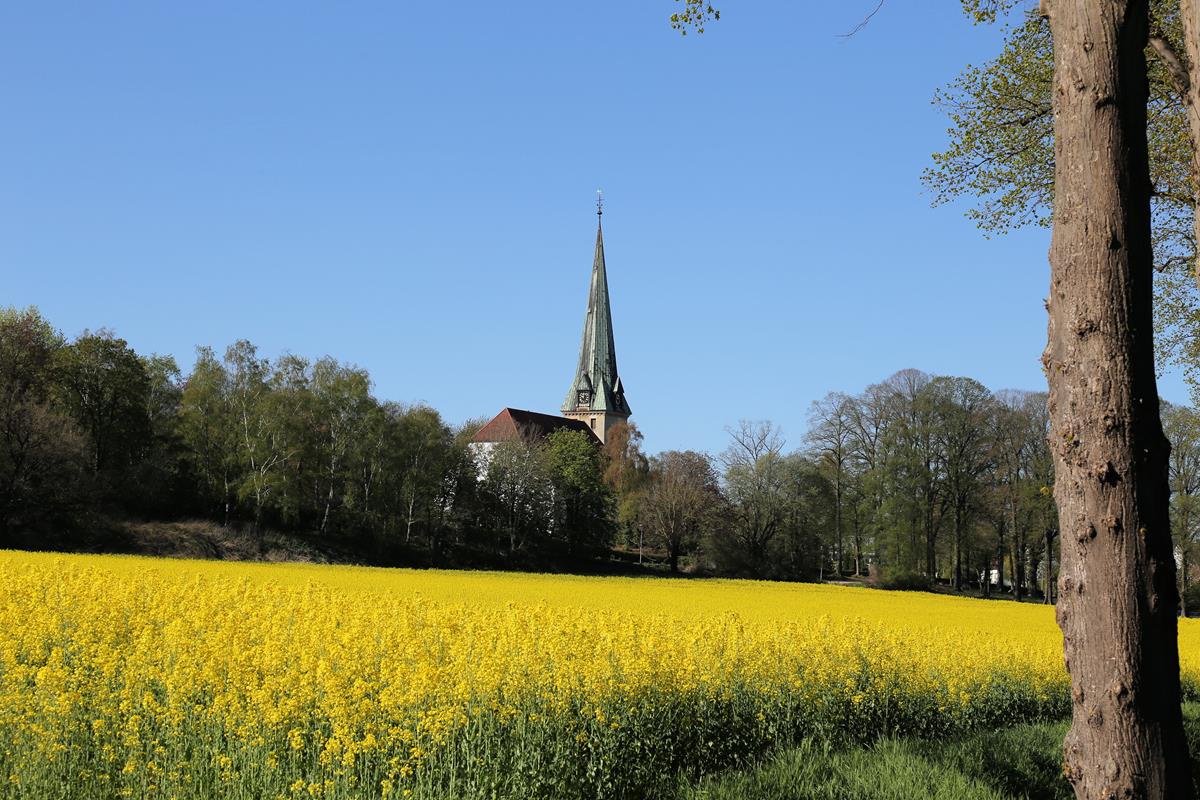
145, 678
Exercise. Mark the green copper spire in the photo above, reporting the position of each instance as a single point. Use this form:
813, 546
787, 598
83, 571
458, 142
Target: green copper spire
597, 386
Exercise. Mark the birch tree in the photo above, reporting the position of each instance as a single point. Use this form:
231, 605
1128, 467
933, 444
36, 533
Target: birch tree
261, 443
343, 402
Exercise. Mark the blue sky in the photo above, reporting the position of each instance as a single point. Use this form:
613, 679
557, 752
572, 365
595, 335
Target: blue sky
410, 187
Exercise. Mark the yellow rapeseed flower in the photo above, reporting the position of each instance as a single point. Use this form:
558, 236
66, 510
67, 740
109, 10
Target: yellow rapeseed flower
124, 673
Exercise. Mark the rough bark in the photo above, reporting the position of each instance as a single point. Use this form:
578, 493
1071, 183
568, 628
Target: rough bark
1117, 594
1190, 11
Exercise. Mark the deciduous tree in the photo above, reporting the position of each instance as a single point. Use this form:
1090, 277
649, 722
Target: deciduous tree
681, 498
1001, 150
342, 405
582, 500
755, 482
1181, 425
208, 428
964, 409
103, 385
1118, 601
262, 444
627, 473
43, 455
830, 433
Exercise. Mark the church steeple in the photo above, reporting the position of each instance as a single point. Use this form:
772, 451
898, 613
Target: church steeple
596, 395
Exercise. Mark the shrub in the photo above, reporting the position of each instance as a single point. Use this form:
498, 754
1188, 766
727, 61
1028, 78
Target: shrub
906, 581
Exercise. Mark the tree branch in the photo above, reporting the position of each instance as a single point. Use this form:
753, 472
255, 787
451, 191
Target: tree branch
864, 22
1174, 64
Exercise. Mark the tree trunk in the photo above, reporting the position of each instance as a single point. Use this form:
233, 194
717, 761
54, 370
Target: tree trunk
858, 537
930, 565
435, 538
1019, 571
985, 577
957, 547
1017, 537
1049, 598
999, 566
512, 530
1189, 11
913, 549
1031, 566
328, 506
930, 536
1117, 598
258, 510
1183, 568
408, 522
837, 520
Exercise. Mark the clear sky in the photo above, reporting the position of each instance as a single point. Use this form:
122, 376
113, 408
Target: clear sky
410, 187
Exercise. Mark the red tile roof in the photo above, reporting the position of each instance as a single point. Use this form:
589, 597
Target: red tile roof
513, 423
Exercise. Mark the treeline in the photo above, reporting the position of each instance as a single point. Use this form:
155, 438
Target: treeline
92, 429
916, 479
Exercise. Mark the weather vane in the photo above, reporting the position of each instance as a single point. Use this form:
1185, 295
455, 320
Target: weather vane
599, 203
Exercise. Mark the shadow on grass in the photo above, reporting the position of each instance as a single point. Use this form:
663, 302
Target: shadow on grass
1023, 762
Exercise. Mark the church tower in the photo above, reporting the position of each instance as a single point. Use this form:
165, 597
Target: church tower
597, 397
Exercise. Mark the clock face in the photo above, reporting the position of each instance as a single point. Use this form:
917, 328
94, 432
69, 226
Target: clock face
585, 396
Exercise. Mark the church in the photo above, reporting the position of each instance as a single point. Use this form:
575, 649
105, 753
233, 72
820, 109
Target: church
595, 402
